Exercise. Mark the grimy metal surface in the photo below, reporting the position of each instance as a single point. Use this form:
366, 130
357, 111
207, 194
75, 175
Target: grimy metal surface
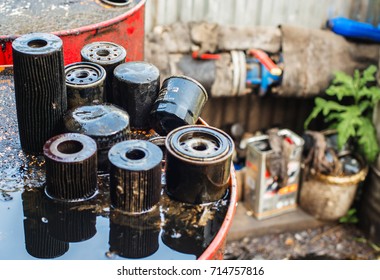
76, 22
34, 226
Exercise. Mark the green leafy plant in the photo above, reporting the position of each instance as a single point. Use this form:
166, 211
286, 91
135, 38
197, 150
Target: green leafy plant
351, 113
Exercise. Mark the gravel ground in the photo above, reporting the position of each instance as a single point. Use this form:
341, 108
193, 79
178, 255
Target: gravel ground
341, 241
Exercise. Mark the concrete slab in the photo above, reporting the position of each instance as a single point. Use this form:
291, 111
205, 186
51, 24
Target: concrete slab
246, 225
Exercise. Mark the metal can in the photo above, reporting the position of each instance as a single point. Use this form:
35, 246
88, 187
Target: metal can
264, 194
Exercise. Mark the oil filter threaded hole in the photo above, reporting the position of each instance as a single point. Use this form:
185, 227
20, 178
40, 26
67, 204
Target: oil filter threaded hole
135, 154
70, 147
103, 52
199, 146
38, 43
82, 75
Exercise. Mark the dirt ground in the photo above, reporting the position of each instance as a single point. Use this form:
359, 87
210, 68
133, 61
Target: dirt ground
341, 241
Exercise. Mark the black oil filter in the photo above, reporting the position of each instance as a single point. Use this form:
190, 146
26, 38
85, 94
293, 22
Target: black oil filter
180, 102
71, 164
84, 84
108, 55
134, 236
40, 89
136, 87
198, 163
107, 124
135, 177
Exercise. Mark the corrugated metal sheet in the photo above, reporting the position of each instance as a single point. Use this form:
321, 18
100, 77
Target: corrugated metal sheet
310, 13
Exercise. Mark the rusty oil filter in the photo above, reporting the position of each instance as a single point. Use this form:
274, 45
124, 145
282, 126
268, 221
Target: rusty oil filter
40, 89
136, 86
84, 84
180, 102
107, 124
71, 164
198, 163
135, 176
108, 55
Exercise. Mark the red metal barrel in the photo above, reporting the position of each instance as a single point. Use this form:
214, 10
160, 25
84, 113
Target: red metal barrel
126, 30
215, 251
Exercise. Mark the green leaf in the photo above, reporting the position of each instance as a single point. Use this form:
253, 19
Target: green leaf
319, 104
329, 106
339, 91
342, 78
368, 75
367, 140
346, 128
374, 94
364, 105
333, 116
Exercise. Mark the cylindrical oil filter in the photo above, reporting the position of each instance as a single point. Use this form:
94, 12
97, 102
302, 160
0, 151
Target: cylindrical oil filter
160, 142
136, 87
84, 84
40, 89
108, 55
71, 164
198, 163
135, 175
180, 102
134, 236
105, 123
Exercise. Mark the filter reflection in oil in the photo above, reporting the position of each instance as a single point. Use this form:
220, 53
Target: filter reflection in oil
134, 236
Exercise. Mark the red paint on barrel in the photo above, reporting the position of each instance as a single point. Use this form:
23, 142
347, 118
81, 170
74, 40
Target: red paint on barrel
126, 30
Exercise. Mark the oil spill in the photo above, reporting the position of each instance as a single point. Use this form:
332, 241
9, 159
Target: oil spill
34, 226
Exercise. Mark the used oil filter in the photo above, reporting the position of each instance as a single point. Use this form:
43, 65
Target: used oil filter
198, 163
84, 84
136, 87
105, 123
71, 164
135, 177
180, 102
108, 55
40, 89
